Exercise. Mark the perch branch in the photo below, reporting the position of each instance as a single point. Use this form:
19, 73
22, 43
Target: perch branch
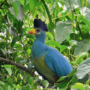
17, 65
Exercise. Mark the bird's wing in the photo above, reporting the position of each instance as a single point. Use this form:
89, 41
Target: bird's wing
57, 63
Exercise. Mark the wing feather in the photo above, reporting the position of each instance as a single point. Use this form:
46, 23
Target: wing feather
56, 62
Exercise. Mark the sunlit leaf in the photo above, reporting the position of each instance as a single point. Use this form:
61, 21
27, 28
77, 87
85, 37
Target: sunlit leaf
84, 20
9, 87
45, 83
16, 5
62, 47
31, 4
28, 51
68, 76
49, 35
81, 57
79, 86
86, 12
74, 4
2, 83
0, 20
83, 69
82, 46
65, 80
20, 15
63, 30
8, 68
55, 43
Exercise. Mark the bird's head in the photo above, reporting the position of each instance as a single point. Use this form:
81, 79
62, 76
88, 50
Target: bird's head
39, 28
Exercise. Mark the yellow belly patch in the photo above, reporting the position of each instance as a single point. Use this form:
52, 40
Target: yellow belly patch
44, 69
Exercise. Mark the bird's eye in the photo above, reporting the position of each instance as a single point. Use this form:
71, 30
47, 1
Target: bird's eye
38, 30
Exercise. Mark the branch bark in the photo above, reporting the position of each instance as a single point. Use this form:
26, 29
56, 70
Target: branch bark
17, 65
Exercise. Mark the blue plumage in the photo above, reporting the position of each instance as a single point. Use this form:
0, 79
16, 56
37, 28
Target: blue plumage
49, 62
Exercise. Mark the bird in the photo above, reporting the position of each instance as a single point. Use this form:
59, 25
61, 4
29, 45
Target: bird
48, 61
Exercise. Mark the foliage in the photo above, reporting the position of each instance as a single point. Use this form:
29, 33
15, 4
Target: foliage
69, 32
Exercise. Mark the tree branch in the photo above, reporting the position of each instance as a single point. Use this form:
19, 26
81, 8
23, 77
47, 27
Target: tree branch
17, 65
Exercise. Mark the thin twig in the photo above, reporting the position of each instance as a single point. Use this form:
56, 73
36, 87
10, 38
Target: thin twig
17, 65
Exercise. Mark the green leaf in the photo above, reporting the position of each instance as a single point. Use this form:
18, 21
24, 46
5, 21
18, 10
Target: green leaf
74, 3
12, 31
65, 80
16, 5
28, 51
45, 83
82, 46
9, 1
9, 80
27, 2
83, 69
2, 83
0, 21
85, 11
20, 15
49, 35
30, 65
79, 58
8, 68
9, 87
63, 47
62, 31
22, 2
23, 61
55, 43
31, 4
79, 86
84, 20
14, 41
64, 83
62, 78
68, 76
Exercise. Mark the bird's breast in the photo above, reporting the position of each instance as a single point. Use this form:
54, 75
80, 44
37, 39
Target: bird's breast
44, 69
38, 49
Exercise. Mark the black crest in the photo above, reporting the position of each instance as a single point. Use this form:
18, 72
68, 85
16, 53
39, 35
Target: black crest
40, 24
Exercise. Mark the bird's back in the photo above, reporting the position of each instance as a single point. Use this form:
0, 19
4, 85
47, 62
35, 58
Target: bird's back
56, 61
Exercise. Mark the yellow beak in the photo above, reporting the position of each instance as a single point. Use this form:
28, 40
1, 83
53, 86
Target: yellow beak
33, 31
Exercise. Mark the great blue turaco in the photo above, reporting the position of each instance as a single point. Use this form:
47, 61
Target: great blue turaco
48, 61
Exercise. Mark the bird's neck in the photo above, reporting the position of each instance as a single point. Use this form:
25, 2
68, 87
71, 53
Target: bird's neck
38, 48
41, 38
